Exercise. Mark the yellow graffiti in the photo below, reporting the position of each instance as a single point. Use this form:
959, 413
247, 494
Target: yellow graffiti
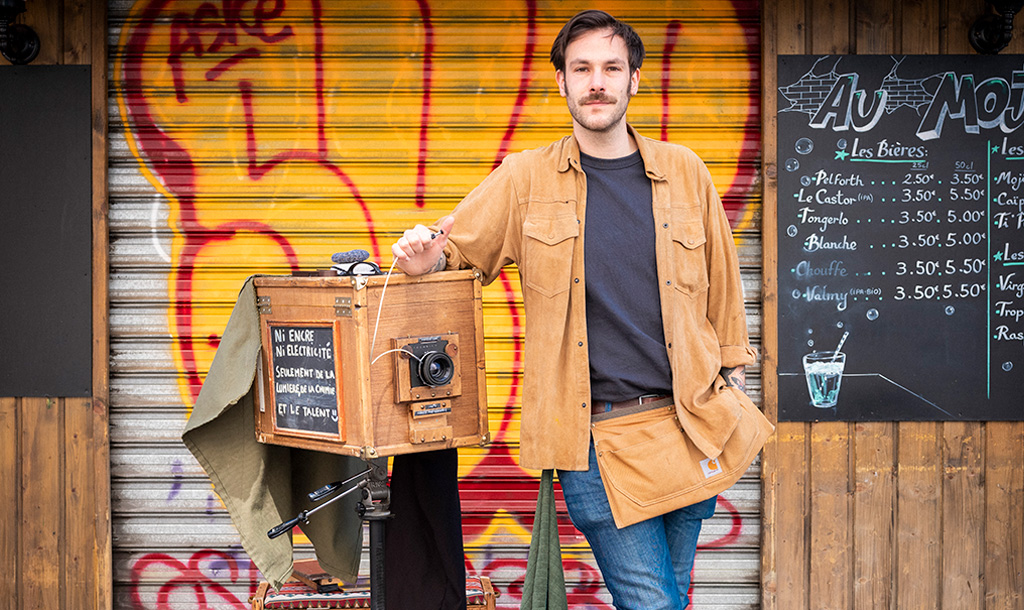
278, 133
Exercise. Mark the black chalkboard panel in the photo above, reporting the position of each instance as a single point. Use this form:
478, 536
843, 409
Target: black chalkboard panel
900, 237
304, 378
46, 240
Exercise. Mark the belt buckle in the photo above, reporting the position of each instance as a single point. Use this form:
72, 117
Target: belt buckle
640, 401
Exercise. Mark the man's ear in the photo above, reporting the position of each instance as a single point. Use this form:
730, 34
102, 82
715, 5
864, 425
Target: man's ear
634, 82
560, 79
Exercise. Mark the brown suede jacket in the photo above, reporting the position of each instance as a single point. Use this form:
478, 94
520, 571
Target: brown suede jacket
531, 211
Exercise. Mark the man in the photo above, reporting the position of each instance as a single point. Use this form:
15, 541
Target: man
632, 294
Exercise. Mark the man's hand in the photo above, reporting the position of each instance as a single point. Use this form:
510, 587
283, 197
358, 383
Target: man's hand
417, 253
736, 377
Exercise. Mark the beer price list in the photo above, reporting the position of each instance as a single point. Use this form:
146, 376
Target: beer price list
900, 237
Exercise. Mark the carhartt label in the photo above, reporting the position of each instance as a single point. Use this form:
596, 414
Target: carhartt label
710, 467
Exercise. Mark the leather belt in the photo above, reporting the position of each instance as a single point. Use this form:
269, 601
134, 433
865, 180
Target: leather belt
604, 410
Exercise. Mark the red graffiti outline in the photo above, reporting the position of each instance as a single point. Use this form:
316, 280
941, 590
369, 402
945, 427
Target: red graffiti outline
730, 537
672, 30
425, 104
191, 576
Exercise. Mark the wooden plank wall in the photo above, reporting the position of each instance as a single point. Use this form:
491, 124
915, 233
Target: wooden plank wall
875, 516
54, 456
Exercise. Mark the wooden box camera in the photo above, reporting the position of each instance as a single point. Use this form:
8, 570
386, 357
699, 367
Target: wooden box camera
343, 374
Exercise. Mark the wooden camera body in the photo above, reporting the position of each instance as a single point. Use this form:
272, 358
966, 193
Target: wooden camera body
341, 374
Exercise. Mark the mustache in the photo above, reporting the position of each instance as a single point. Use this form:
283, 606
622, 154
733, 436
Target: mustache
597, 97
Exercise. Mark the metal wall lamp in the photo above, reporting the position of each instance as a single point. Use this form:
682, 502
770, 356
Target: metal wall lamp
992, 32
19, 43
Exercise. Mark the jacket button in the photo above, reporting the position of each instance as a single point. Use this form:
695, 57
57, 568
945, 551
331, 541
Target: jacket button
665, 225
576, 281
668, 282
580, 344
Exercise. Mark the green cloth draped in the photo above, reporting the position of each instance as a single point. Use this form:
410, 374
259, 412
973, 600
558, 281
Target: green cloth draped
263, 485
544, 588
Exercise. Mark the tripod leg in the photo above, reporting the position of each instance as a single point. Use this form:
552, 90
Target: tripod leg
377, 564
375, 508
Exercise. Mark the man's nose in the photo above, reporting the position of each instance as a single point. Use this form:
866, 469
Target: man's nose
597, 81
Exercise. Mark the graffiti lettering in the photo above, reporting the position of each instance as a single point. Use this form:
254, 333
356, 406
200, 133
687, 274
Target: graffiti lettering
219, 26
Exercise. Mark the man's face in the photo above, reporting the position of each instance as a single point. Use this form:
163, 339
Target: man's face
596, 83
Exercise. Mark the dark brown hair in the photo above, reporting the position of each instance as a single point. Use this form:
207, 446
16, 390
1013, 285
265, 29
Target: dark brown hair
588, 21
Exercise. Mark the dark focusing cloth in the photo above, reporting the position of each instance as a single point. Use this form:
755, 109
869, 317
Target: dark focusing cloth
424, 562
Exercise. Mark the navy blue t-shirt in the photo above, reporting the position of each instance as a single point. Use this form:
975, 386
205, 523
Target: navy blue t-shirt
628, 357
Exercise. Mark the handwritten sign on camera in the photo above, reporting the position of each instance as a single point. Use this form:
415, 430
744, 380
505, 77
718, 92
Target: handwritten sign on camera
900, 237
303, 378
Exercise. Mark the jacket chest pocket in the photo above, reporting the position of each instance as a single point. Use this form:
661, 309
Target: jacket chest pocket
688, 243
548, 250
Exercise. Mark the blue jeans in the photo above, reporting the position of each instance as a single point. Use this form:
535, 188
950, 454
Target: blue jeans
647, 565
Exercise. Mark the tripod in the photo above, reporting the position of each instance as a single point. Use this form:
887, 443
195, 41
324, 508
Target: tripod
374, 507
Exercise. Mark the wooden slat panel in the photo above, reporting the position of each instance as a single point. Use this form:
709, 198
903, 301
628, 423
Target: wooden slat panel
792, 545
874, 503
43, 16
1004, 514
99, 449
86, 499
919, 492
80, 502
786, 458
770, 537
77, 37
958, 17
937, 508
42, 488
830, 27
791, 28
830, 516
920, 31
873, 26
9, 500
963, 514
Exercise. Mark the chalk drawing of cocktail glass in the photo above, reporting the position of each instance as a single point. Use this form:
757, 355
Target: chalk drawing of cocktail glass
824, 374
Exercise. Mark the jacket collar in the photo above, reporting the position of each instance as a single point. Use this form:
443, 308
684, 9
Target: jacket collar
649, 155
569, 155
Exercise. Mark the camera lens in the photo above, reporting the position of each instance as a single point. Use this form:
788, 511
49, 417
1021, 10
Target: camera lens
436, 368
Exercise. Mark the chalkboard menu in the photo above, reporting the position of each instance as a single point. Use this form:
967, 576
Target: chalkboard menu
900, 238
303, 378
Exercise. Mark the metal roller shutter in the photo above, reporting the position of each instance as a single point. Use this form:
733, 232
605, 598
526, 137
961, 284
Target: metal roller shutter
262, 137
